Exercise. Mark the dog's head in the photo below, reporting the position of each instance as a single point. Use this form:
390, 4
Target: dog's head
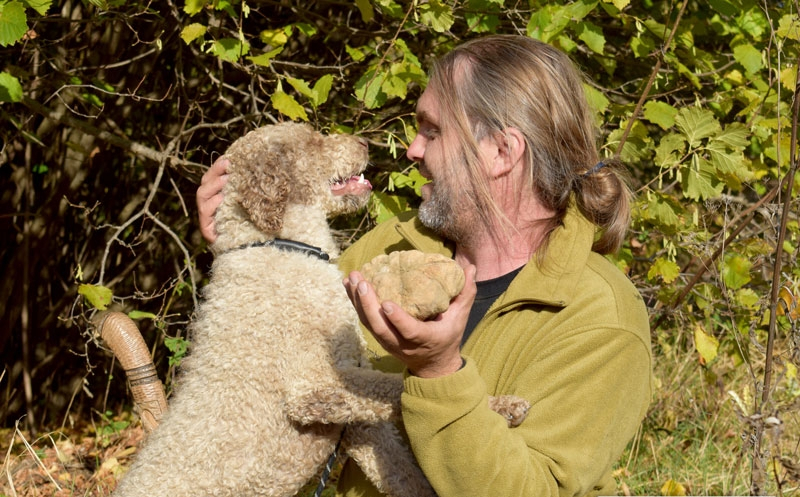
274, 167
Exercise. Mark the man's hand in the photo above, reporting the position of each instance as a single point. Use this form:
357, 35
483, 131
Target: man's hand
209, 197
429, 349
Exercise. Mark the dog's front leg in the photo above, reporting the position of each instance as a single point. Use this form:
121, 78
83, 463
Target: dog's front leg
352, 395
379, 450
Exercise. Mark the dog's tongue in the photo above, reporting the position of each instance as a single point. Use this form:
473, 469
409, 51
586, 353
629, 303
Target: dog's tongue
355, 185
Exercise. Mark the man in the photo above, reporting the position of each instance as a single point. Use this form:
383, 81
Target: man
518, 198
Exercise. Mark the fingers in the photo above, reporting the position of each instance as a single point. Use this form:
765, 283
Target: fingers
209, 197
366, 303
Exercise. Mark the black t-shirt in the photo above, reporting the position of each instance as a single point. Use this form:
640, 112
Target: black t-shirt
488, 291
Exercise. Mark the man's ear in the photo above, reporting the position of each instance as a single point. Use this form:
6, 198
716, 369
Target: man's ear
510, 145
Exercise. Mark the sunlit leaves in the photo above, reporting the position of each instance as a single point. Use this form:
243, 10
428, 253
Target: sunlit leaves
592, 36
437, 15
696, 124
13, 22
384, 206
192, 7
735, 271
287, 105
366, 10
192, 32
707, 346
10, 88
749, 57
230, 49
660, 113
98, 296
789, 27
316, 95
666, 269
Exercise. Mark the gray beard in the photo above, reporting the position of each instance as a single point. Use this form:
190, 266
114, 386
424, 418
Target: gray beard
439, 214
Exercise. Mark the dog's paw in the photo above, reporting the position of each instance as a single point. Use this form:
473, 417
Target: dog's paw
422, 284
513, 408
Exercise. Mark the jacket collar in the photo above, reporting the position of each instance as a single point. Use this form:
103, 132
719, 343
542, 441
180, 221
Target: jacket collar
550, 283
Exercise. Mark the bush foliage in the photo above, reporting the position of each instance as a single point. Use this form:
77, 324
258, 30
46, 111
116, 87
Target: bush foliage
112, 110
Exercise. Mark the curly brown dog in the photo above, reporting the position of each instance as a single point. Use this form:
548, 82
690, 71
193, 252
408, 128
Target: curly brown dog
276, 368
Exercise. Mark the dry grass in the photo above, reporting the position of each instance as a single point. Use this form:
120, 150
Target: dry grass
695, 438
693, 441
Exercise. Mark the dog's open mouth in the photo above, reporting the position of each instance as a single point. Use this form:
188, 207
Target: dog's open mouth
354, 185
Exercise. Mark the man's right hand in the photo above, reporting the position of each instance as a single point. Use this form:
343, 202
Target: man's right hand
209, 197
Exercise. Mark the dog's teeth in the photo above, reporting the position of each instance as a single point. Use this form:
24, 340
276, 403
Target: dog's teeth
361, 178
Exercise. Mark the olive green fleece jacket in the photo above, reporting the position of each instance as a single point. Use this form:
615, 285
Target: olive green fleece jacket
570, 335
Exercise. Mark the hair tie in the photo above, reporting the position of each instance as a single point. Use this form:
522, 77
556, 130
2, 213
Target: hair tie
600, 165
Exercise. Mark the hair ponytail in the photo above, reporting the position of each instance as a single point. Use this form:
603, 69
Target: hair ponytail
603, 197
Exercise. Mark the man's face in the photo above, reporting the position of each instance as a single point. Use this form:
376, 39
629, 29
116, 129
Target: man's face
443, 208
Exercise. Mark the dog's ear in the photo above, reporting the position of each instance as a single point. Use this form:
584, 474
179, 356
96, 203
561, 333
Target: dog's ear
265, 187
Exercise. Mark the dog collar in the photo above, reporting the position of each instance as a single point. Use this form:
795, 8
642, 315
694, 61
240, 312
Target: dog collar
289, 246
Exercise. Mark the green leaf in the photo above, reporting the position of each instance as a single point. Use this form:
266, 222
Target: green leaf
365, 7
40, 6
192, 7
665, 268
322, 88
355, 53
697, 124
193, 32
735, 271
141, 315
724, 160
642, 45
301, 86
413, 180
592, 36
368, 89
306, 29
437, 15
619, 4
264, 58
178, 346
746, 297
661, 212
789, 27
660, 113
480, 15
13, 22
98, 296
384, 206
288, 106
749, 57
10, 88
230, 49
274, 37
707, 346
700, 180
596, 99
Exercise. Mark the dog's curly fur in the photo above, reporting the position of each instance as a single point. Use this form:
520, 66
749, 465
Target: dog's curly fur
276, 327
276, 368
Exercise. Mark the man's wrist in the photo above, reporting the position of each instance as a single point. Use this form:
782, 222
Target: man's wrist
439, 369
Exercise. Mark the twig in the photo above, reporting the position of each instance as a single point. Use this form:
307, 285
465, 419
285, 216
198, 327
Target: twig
35, 457
7, 463
650, 82
134, 147
776, 271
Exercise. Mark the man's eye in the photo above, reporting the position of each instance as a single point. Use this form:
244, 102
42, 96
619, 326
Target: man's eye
429, 133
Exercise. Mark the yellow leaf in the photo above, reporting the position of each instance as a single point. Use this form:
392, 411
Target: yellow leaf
706, 346
671, 487
787, 303
98, 296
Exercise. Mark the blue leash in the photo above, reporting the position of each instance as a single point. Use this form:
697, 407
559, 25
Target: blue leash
326, 473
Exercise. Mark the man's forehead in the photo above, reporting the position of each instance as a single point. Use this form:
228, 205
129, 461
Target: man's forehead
426, 108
